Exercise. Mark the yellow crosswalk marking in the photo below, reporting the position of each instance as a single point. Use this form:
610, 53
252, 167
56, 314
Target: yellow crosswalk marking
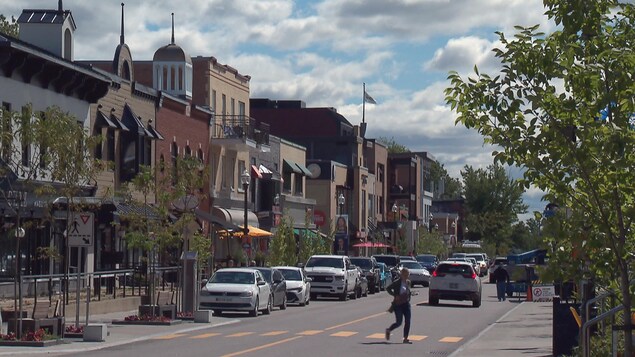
274, 333
205, 335
309, 332
451, 339
377, 335
240, 334
169, 337
344, 334
417, 337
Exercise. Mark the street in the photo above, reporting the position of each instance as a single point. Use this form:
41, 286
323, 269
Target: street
327, 327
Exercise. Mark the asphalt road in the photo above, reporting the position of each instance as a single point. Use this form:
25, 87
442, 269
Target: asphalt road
330, 327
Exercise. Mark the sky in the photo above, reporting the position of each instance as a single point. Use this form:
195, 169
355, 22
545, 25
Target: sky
323, 51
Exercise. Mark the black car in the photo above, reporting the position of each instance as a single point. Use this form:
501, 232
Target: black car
428, 261
391, 261
370, 271
278, 286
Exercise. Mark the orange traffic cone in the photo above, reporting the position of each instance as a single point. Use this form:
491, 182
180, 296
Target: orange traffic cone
529, 296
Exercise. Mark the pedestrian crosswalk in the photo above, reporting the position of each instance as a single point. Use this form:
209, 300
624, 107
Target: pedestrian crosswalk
340, 334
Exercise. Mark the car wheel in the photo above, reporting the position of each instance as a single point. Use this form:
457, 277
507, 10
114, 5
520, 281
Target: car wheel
434, 301
366, 293
307, 301
283, 306
313, 296
269, 306
344, 295
254, 312
476, 302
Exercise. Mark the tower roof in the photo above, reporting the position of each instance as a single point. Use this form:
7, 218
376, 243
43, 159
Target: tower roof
172, 52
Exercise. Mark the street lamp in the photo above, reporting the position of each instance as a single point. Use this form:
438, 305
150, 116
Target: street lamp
244, 179
340, 202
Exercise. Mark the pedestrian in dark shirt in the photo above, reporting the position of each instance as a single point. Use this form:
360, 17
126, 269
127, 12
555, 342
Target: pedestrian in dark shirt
501, 278
400, 290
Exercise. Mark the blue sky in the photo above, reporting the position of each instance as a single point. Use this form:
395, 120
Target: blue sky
322, 51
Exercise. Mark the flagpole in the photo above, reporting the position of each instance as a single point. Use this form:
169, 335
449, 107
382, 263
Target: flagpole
364, 103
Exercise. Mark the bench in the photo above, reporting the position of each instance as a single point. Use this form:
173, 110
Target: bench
45, 315
163, 306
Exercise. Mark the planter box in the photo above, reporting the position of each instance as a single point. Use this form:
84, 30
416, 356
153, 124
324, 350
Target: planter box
45, 343
150, 323
203, 316
73, 334
95, 333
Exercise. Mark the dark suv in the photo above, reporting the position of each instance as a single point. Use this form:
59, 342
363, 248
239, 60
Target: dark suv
391, 261
371, 271
428, 261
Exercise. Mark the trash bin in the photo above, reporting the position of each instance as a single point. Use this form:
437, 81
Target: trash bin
565, 328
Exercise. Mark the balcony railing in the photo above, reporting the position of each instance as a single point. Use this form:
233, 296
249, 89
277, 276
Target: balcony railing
240, 127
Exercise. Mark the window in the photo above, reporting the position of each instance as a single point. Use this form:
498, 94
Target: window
241, 110
213, 103
286, 176
7, 127
232, 105
299, 181
188, 151
110, 145
44, 149
26, 145
241, 169
223, 104
364, 223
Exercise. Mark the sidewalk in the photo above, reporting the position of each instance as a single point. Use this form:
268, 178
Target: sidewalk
118, 335
525, 330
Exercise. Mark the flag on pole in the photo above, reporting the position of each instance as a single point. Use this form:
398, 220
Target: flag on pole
368, 98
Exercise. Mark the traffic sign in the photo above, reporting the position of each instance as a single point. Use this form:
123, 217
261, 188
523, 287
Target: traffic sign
80, 230
543, 292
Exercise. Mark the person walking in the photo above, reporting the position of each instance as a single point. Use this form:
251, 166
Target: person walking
501, 278
400, 290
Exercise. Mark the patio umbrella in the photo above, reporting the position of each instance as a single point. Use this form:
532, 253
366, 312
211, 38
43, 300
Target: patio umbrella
370, 245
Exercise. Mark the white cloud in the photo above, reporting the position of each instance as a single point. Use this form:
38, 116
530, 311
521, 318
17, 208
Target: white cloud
462, 54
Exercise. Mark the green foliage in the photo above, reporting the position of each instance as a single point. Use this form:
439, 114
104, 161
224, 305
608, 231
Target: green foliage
7, 27
392, 145
312, 243
492, 203
282, 250
431, 242
401, 245
562, 108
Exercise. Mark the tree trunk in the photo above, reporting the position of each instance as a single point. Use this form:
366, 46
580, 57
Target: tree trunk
626, 301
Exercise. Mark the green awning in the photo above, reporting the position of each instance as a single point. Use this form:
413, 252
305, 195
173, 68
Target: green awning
310, 233
292, 166
304, 170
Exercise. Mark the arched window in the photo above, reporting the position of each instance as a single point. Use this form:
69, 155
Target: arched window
125, 70
188, 151
68, 44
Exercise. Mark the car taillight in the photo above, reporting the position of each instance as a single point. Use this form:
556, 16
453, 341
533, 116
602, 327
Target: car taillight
434, 273
470, 276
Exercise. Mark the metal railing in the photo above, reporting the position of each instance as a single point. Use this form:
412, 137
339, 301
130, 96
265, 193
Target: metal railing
240, 126
585, 335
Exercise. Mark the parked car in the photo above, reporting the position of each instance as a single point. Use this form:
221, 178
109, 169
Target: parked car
331, 275
455, 280
370, 271
482, 264
298, 285
361, 287
236, 289
418, 274
475, 264
385, 277
428, 261
278, 286
459, 255
495, 262
391, 261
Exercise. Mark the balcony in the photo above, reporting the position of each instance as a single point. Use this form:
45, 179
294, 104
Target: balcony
239, 132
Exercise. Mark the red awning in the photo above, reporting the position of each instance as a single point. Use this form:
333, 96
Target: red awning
256, 171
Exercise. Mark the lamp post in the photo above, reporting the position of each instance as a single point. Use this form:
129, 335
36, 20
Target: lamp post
340, 202
244, 179
394, 210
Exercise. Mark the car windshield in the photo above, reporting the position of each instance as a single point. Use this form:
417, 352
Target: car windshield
454, 269
363, 263
478, 257
426, 258
232, 277
266, 273
325, 262
291, 274
388, 260
411, 265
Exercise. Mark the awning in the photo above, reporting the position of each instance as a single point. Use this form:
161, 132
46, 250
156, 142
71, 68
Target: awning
102, 121
131, 120
264, 170
253, 232
310, 233
304, 170
206, 216
370, 245
235, 216
292, 166
256, 170
155, 133
270, 174
124, 210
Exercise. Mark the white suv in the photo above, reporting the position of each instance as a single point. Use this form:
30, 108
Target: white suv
332, 275
454, 280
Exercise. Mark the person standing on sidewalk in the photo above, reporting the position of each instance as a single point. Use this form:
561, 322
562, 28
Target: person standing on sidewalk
400, 290
501, 278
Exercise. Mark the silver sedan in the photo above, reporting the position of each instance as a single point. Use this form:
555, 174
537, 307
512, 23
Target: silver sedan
418, 274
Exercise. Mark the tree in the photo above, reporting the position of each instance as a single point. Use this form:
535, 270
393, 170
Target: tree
452, 187
9, 28
492, 203
431, 242
562, 109
392, 145
283, 246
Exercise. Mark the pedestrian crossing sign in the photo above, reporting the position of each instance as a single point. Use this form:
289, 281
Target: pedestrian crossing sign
80, 229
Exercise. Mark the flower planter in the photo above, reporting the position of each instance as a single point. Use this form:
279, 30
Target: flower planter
146, 322
44, 343
73, 334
